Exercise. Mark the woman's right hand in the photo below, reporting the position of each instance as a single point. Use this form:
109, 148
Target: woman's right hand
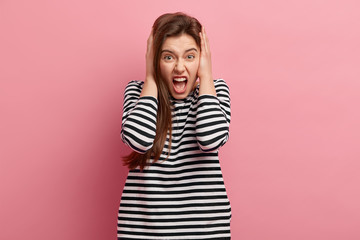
150, 58
149, 88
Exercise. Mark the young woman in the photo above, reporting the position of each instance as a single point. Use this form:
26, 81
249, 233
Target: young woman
175, 122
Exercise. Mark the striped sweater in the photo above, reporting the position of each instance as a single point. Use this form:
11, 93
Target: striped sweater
183, 197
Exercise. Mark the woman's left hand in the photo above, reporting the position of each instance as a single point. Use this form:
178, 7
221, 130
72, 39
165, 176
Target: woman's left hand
204, 71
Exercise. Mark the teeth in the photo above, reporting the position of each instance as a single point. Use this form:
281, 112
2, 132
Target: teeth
179, 79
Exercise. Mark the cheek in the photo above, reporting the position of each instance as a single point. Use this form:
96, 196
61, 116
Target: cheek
194, 67
165, 69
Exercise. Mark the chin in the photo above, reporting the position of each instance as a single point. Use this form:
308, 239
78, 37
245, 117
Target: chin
179, 96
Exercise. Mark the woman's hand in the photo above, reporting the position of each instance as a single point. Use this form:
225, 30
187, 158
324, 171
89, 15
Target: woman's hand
205, 71
150, 58
149, 88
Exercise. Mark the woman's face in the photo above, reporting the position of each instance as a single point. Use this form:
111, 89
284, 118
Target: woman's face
179, 63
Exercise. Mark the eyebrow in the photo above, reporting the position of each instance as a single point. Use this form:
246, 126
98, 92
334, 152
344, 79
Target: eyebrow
191, 49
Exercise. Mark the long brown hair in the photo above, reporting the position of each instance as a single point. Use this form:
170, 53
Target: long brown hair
167, 25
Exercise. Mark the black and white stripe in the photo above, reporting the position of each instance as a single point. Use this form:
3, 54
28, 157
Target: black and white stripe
183, 197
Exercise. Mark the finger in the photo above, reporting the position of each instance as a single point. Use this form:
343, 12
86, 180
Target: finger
206, 43
203, 39
150, 38
152, 33
202, 42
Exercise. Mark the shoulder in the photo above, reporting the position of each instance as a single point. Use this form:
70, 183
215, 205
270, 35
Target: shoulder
221, 85
135, 84
220, 82
134, 87
221, 88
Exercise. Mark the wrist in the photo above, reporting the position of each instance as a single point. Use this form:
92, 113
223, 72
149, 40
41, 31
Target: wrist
149, 88
206, 78
207, 86
149, 78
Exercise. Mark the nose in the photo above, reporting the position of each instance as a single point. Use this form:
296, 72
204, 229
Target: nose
179, 66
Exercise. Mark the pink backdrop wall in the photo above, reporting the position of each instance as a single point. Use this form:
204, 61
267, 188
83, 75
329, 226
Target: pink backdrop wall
291, 166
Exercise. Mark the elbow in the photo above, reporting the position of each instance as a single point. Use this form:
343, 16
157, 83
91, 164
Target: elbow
212, 144
140, 144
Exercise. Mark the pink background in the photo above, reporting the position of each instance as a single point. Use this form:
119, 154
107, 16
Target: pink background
291, 166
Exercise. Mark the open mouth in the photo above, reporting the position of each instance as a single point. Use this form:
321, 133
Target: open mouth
179, 84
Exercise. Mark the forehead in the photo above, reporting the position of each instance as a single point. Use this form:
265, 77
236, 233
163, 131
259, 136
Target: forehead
179, 43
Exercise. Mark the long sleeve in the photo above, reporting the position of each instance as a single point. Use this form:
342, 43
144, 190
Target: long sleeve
213, 118
139, 118
184, 189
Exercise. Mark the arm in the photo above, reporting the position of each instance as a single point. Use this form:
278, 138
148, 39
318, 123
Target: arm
213, 118
139, 118
213, 107
140, 108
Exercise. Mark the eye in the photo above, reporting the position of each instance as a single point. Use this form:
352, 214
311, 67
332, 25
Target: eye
190, 56
167, 57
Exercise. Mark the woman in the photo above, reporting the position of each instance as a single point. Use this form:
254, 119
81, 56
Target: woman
175, 121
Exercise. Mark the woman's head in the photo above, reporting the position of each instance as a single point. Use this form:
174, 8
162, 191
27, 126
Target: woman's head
176, 53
